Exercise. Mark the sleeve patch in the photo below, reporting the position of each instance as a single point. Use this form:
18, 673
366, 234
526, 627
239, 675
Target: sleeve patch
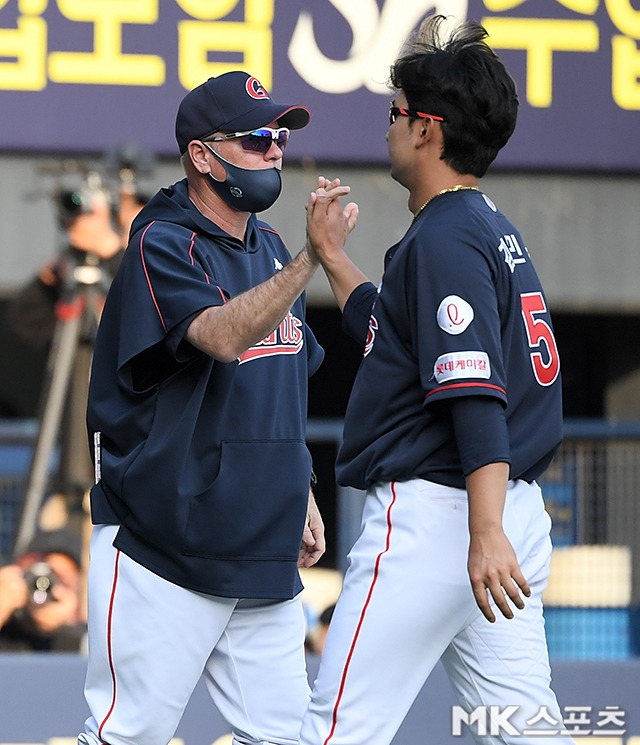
458, 365
454, 314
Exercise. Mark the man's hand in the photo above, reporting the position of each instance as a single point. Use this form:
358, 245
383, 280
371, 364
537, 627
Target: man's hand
494, 571
328, 225
313, 543
493, 566
14, 593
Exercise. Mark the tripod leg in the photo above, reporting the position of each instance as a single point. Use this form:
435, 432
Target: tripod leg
75, 470
62, 356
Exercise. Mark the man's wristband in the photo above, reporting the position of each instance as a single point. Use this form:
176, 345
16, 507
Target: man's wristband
313, 479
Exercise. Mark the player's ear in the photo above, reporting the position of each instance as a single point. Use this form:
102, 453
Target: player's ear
197, 152
423, 134
429, 131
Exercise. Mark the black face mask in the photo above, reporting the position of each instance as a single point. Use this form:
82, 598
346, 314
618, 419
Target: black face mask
245, 189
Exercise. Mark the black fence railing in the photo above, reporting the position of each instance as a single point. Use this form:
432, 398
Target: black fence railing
591, 490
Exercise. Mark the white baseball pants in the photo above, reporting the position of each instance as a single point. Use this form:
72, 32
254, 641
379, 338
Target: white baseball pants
407, 603
150, 641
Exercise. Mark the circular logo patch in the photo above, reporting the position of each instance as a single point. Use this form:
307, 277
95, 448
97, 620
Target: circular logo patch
454, 314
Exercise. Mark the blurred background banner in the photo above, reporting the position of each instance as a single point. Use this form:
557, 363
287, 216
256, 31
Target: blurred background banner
117, 69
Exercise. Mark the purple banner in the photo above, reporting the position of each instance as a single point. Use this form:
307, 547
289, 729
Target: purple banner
86, 76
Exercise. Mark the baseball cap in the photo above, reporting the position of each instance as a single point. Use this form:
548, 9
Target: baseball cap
232, 102
63, 541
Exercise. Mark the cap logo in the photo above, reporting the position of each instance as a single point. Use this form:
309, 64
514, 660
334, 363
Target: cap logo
255, 88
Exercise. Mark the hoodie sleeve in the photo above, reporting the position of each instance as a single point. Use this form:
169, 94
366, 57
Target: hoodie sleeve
161, 287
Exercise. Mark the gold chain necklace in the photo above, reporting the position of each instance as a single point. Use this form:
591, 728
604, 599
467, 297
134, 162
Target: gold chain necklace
458, 187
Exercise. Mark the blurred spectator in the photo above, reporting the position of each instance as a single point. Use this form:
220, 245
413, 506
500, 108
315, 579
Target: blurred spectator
95, 235
318, 633
90, 237
321, 590
40, 596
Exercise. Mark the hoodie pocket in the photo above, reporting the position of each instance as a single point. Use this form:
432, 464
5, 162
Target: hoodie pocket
257, 505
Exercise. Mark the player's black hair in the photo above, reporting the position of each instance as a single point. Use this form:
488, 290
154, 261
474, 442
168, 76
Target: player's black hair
463, 80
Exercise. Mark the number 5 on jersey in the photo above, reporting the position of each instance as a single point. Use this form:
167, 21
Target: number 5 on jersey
546, 364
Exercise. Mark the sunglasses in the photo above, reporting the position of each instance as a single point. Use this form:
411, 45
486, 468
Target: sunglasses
258, 140
396, 111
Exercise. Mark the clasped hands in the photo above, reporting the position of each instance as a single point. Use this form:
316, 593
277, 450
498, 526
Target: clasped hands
328, 224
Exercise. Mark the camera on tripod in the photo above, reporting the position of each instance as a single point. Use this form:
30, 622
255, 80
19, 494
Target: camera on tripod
74, 202
77, 194
40, 580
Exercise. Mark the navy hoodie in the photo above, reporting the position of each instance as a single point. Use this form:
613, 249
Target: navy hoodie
202, 464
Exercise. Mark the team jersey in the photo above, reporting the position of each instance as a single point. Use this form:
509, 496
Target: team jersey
460, 312
202, 464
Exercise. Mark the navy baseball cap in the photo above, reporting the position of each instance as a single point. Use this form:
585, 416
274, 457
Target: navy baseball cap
232, 102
